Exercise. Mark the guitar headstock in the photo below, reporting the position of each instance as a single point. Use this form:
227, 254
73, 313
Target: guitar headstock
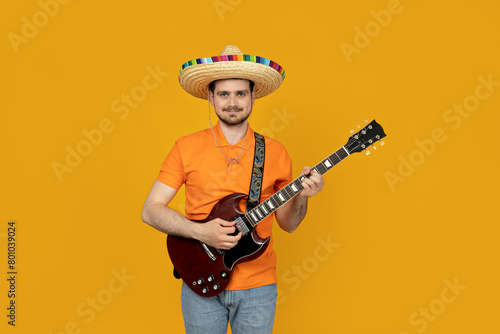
365, 137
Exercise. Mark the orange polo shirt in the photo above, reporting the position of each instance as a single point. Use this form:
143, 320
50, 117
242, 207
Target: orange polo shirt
197, 162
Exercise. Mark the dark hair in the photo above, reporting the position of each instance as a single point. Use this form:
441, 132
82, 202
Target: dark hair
211, 86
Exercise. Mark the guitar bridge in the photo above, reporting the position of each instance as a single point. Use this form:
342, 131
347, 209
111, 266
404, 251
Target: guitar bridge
209, 253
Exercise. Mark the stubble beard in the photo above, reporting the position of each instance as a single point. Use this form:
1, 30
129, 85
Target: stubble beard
233, 120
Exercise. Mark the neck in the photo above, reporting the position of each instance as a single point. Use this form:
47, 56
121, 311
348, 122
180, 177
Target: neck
233, 133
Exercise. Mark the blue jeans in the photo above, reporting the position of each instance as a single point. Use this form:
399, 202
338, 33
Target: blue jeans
248, 311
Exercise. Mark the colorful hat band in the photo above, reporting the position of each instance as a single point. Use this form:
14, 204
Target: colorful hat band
238, 57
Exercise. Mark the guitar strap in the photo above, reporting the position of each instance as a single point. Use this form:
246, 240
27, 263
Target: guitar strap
257, 173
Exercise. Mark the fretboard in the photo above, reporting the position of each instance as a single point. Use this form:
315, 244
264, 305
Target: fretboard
264, 209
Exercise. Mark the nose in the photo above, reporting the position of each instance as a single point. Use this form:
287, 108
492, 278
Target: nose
232, 102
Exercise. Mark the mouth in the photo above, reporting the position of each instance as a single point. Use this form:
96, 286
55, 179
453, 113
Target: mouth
232, 112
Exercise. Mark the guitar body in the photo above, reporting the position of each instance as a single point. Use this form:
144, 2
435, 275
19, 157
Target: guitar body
207, 270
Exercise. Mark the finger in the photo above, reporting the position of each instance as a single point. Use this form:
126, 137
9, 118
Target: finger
310, 188
231, 241
313, 172
305, 187
314, 179
237, 238
234, 231
234, 237
315, 176
308, 184
226, 223
306, 170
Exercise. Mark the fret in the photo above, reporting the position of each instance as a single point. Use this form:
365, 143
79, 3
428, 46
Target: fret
337, 156
285, 192
271, 203
334, 159
276, 201
320, 168
342, 154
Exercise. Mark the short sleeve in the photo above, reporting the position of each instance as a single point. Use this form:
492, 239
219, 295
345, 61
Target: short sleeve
172, 170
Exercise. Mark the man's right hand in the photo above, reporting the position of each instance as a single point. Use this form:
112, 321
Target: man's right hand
156, 213
216, 233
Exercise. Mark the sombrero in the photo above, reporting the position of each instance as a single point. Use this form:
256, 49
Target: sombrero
196, 74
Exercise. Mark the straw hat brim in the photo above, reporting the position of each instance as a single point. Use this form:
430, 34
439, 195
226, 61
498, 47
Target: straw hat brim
196, 75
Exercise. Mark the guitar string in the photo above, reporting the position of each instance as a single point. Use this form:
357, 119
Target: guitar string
285, 192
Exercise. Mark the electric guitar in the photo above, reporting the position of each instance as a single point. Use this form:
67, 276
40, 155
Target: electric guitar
207, 270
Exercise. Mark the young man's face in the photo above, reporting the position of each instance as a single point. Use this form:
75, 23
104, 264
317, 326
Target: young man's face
232, 100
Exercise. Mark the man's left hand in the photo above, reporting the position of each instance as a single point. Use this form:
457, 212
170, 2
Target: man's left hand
313, 184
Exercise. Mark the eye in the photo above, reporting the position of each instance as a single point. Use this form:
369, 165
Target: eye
241, 94
223, 94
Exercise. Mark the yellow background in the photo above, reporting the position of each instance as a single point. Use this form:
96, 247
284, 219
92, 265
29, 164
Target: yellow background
397, 242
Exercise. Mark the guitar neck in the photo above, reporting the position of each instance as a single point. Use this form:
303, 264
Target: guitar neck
264, 209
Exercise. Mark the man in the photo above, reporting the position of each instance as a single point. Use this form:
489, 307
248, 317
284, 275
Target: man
217, 162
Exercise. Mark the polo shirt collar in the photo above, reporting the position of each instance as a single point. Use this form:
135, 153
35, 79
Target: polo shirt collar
224, 143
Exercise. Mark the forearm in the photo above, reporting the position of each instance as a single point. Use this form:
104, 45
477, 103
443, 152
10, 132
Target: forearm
291, 214
215, 232
169, 221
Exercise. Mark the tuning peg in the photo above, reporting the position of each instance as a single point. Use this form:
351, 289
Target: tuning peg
352, 132
366, 121
382, 143
359, 127
374, 147
367, 152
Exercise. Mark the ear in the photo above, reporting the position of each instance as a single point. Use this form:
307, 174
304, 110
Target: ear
253, 97
210, 96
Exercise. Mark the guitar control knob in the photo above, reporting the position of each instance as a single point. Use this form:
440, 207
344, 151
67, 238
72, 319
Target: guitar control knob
223, 274
216, 286
200, 281
210, 278
205, 290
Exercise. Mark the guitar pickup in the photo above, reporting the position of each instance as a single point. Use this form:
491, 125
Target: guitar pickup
240, 226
